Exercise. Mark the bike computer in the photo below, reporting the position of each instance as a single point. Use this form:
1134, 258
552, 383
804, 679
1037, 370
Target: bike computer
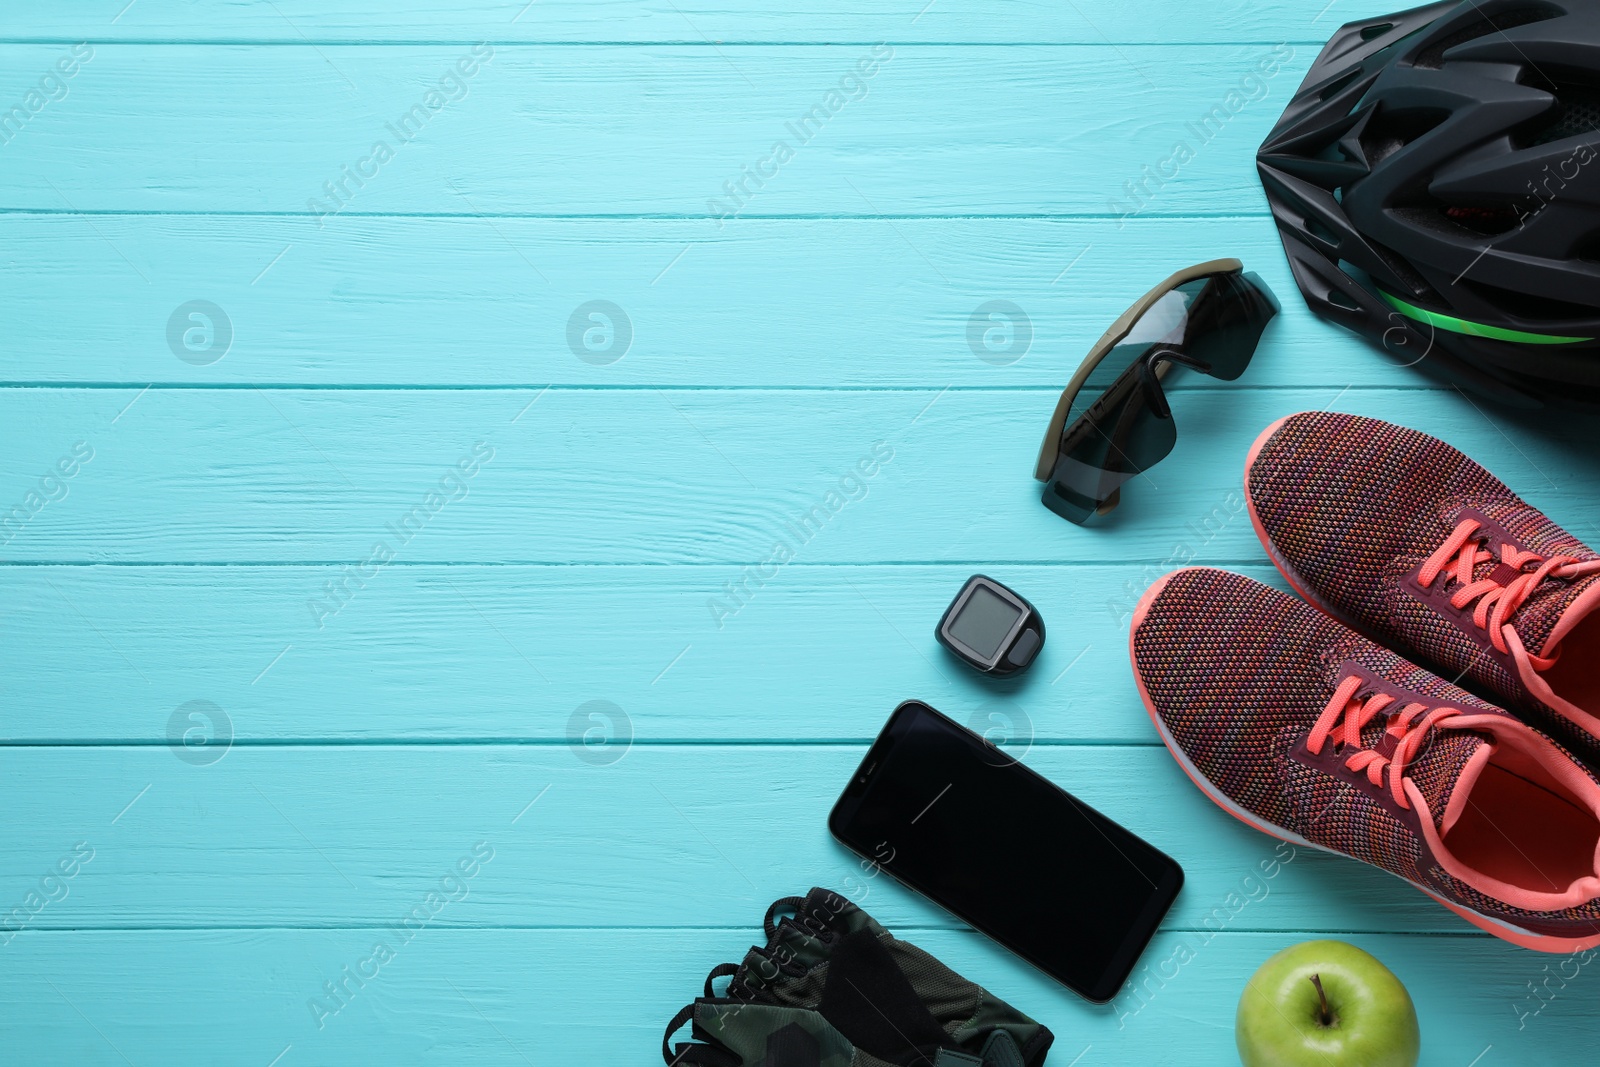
990, 628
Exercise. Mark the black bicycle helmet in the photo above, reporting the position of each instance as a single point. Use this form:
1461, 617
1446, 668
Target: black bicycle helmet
1436, 185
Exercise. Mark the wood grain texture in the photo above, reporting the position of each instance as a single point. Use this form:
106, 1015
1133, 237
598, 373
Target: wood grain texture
1095, 22
696, 835
661, 476
514, 997
559, 131
800, 303
170, 523
477, 301
461, 652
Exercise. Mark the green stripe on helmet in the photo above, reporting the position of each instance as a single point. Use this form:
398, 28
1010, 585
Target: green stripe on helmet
1476, 329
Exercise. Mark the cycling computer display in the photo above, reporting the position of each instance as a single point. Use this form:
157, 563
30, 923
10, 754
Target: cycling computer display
990, 628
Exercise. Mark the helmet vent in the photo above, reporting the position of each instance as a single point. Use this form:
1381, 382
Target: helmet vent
1530, 308
1339, 84
1339, 298
1432, 57
1322, 232
1369, 33
1483, 220
1577, 112
1388, 131
1454, 219
1402, 271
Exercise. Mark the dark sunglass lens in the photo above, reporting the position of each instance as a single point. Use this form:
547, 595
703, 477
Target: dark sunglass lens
1118, 424
1225, 324
1062, 499
1162, 323
1112, 366
1118, 437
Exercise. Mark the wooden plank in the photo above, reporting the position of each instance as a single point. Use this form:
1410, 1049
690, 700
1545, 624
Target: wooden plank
656, 476
453, 653
510, 21
554, 131
514, 997
474, 301
175, 575
703, 835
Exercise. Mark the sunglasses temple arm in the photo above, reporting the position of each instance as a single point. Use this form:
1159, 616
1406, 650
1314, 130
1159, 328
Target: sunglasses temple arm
1173, 355
1155, 396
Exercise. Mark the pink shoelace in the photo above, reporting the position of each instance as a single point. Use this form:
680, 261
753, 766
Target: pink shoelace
1461, 553
1347, 714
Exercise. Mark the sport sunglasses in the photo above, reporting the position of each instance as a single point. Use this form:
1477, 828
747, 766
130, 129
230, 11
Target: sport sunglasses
1113, 420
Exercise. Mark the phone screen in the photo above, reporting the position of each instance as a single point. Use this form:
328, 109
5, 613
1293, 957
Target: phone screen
1007, 850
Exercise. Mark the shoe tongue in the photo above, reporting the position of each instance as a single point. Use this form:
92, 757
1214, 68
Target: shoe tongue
1553, 610
1446, 769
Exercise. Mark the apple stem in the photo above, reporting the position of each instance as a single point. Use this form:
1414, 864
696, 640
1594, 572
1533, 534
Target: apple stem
1324, 1016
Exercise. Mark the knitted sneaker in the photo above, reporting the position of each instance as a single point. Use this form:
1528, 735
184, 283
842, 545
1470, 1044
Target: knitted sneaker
1401, 536
1303, 728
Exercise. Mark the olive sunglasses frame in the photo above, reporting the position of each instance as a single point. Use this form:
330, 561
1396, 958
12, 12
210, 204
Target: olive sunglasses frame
1152, 366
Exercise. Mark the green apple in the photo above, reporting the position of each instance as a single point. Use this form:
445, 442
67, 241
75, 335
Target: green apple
1326, 1004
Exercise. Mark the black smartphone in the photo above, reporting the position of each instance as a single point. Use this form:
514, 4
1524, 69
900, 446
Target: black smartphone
1007, 850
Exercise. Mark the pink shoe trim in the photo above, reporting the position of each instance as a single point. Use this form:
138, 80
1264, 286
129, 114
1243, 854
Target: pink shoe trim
1141, 609
1464, 783
1576, 612
1513, 733
1503, 930
1516, 934
1540, 689
1194, 773
1261, 440
1297, 583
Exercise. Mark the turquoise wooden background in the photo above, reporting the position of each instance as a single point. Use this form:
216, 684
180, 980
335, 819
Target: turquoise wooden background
433, 705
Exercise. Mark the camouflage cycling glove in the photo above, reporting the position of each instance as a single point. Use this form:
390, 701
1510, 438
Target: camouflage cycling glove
832, 988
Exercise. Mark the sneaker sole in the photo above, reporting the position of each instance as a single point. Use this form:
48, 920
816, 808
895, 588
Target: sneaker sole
1499, 928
